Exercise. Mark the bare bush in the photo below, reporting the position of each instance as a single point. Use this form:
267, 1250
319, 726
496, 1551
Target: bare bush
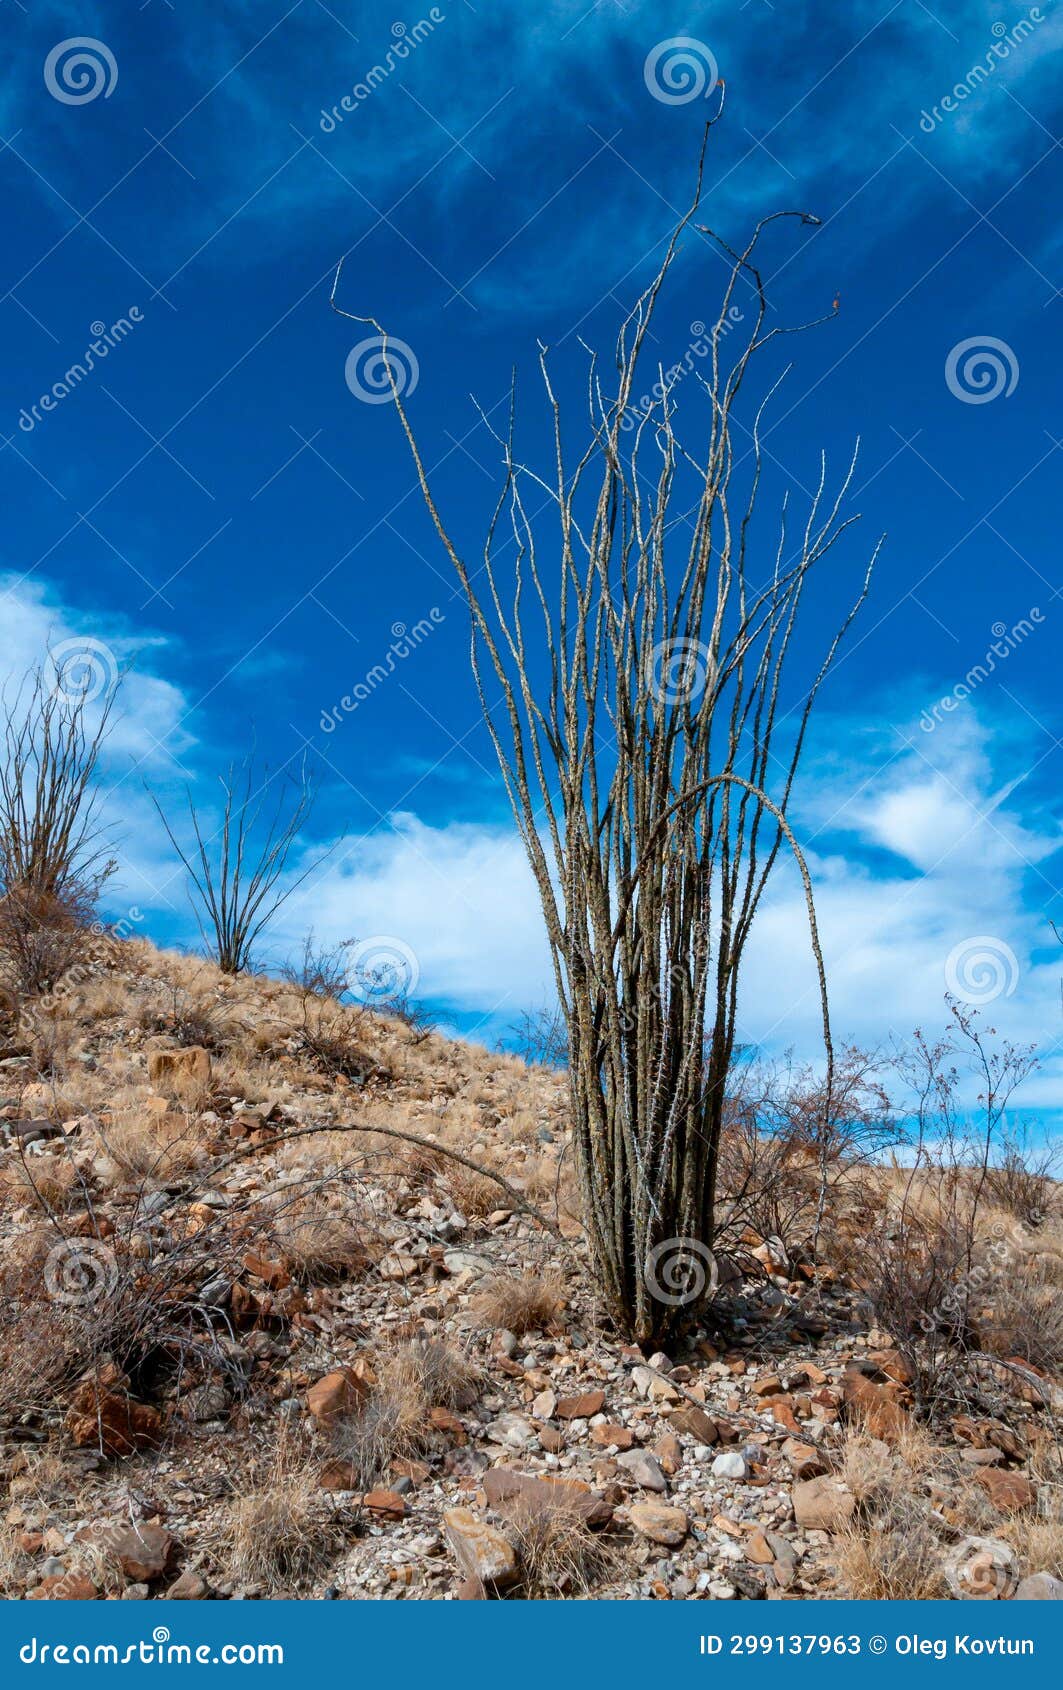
924, 1264
43, 936
50, 834
324, 970
540, 1036
651, 844
235, 873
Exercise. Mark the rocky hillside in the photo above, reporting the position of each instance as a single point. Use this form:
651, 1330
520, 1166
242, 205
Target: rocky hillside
295, 1304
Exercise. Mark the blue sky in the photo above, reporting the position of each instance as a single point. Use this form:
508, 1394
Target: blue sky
215, 506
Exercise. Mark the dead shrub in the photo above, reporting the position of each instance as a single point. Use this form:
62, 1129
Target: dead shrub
47, 1182
475, 1194
43, 936
891, 1550
324, 970
323, 1247
1021, 1181
892, 1557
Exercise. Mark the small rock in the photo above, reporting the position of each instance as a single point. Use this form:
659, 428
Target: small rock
695, 1423
612, 1437
659, 1522
1011, 1493
188, 1588
822, 1504
644, 1468
581, 1407
481, 1551
1040, 1587
729, 1464
333, 1396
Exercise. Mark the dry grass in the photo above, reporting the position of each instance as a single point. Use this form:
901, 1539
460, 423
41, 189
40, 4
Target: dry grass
1024, 1313
324, 1247
895, 1556
280, 1534
393, 1421
532, 1302
891, 1551
47, 1182
475, 1194
559, 1554
152, 1146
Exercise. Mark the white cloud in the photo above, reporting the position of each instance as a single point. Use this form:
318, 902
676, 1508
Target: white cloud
914, 853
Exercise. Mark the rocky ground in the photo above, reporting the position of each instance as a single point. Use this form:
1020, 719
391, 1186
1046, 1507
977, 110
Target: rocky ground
246, 1352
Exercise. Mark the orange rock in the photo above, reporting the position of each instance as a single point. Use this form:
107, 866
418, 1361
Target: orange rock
620, 1437
64, 1587
107, 1418
385, 1504
876, 1405
1011, 1493
165, 1067
335, 1395
273, 1274
581, 1407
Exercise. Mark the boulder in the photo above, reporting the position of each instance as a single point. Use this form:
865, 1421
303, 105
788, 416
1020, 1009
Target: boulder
167, 1068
